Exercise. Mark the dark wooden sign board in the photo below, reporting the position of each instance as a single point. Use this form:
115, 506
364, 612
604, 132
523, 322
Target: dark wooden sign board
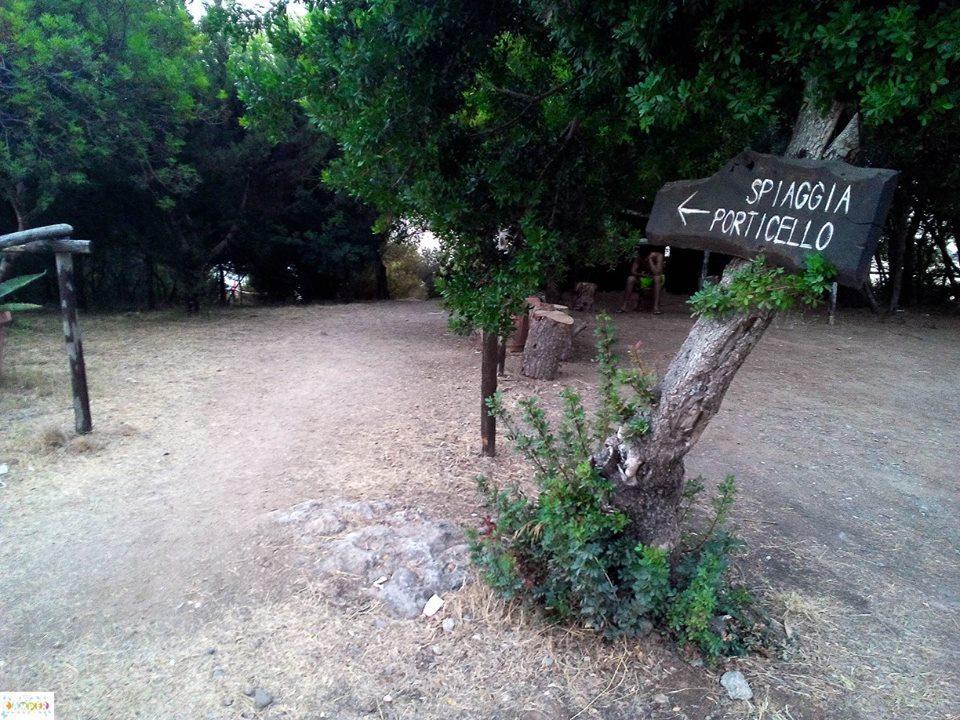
781, 207
56, 239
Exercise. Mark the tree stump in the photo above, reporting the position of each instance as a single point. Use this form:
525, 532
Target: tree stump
586, 291
521, 325
551, 335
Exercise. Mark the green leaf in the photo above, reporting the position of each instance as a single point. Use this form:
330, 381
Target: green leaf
13, 284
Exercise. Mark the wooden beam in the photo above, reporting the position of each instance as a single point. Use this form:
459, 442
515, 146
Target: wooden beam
71, 336
48, 232
64, 245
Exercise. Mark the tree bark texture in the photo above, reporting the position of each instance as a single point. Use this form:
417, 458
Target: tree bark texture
550, 338
647, 472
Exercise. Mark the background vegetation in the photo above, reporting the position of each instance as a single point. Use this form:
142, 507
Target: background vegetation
529, 135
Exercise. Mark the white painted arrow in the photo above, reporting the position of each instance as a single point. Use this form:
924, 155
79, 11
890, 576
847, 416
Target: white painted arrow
684, 210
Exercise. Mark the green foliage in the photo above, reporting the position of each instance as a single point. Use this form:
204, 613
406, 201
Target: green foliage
123, 118
82, 84
520, 132
409, 271
758, 287
570, 552
8, 287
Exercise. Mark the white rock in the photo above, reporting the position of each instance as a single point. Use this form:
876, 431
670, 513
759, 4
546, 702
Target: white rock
4, 469
433, 606
736, 685
448, 625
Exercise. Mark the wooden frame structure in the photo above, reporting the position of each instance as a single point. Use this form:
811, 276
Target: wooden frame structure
56, 239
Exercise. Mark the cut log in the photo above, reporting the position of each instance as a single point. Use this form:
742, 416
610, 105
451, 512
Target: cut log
551, 335
578, 327
521, 325
586, 291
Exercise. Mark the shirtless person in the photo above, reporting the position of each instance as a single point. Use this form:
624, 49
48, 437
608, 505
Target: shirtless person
652, 266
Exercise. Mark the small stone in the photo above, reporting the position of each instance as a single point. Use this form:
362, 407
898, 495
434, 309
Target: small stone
448, 625
388, 698
249, 690
227, 701
433, 606
4, 469
736, 685
547, 661
368, 707
261, 699
660, 699
211, 651
218, 673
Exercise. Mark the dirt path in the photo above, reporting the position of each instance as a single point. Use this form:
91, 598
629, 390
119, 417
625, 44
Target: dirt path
140, 577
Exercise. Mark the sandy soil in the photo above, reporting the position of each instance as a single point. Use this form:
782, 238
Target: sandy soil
141, 577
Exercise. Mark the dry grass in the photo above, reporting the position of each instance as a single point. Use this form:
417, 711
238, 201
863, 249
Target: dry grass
231, 416
52, 438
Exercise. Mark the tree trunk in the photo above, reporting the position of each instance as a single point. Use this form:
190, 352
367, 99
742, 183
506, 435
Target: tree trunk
551, 333
908, 295
647, 472
950, 268
488, 386
897, 253
7, 259
221, 287
867, 291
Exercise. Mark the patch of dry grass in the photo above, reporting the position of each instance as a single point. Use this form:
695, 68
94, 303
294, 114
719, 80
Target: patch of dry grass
51, 438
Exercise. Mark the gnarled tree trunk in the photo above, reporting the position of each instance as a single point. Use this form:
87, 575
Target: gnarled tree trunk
647, 472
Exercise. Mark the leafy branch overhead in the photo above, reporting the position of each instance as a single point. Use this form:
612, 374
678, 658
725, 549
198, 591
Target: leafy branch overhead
757, 286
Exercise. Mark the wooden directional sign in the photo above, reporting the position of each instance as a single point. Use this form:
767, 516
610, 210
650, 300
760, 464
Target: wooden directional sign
781, 207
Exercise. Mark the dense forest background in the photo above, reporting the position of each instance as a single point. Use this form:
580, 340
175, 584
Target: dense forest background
181, 148
122, 118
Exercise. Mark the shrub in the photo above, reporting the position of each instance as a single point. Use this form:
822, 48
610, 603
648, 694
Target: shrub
568, 549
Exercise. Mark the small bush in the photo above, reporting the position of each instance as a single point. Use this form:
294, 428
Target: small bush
567, 549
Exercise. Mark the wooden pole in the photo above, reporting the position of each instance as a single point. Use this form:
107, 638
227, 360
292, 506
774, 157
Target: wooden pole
488, 386
48, 232
71, 335
833, 302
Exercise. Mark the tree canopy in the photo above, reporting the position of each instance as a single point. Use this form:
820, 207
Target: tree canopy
123, 117
532, 134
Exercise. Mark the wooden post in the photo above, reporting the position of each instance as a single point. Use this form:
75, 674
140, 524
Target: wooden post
71, 335
833, 302
488, 386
